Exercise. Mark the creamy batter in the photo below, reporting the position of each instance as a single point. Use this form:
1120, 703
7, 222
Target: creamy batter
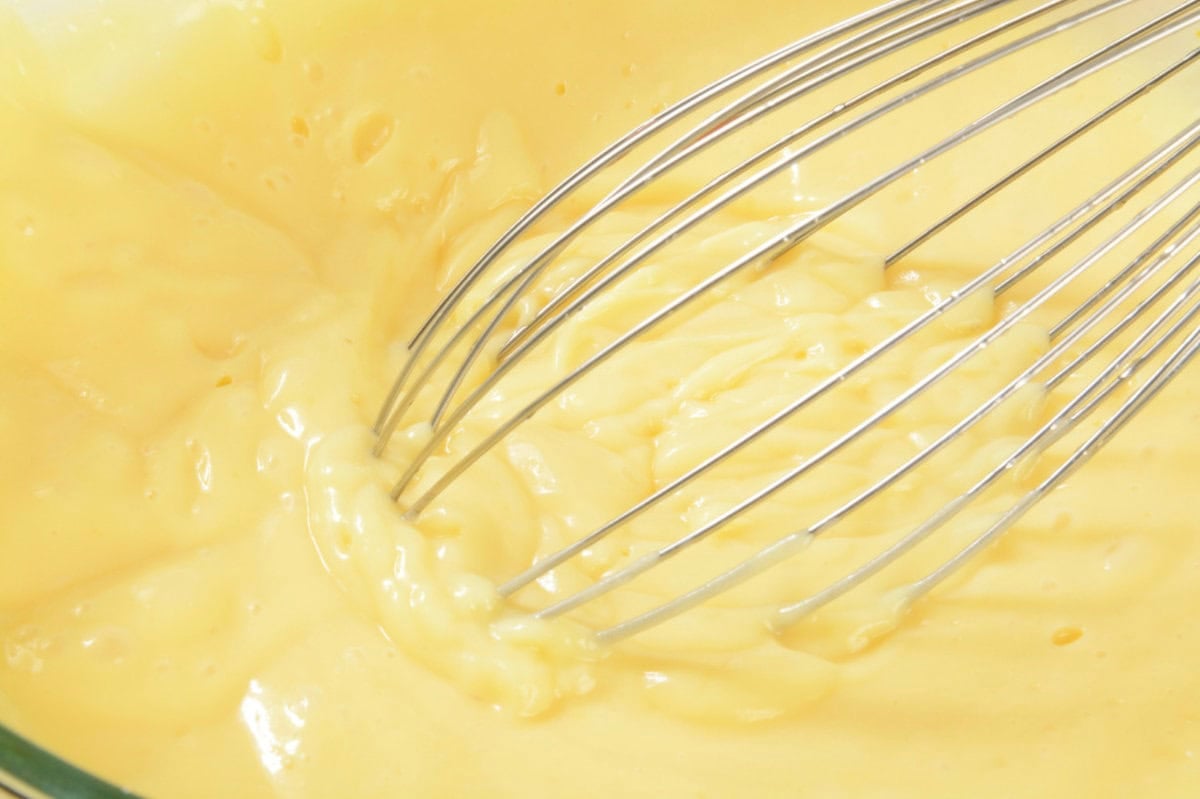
219, 223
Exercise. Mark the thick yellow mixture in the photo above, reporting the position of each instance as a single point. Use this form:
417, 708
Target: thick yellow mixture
218, 223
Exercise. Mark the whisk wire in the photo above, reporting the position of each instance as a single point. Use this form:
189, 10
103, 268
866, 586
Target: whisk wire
605, 158
825, 67
1061, 423
1083, 333
1148, 169
718, 129
1133, 41
512, 347
607, 583
706, 133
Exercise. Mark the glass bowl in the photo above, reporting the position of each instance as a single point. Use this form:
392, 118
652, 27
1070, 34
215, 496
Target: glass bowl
29, 772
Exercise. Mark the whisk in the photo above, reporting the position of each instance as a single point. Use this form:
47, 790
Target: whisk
1137, 330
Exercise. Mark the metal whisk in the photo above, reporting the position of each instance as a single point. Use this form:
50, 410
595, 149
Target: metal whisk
1135, 332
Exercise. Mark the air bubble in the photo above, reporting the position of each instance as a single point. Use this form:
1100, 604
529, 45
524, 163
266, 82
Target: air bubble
1066, 635
371, 133
266, 40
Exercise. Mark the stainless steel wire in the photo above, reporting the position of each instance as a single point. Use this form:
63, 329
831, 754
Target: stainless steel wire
442, 357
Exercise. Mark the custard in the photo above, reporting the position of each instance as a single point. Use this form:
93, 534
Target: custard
220, 223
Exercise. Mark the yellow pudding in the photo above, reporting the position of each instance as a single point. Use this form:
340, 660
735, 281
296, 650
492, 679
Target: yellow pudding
219, 223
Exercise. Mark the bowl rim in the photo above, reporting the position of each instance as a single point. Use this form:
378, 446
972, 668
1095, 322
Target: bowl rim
28, 771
